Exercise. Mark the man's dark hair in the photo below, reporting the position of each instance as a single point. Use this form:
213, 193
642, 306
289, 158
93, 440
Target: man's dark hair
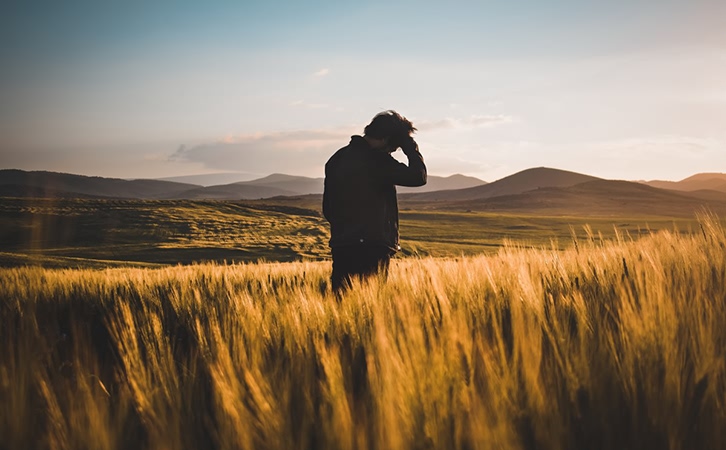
389, 125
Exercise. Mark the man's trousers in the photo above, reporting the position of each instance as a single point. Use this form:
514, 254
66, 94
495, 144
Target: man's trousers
358, 261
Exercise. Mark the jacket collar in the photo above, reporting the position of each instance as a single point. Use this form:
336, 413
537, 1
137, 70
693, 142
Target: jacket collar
359, 141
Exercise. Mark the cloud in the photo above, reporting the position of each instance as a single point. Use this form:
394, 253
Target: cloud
322, 72
178, 155
300, 152
304, 152
469, 123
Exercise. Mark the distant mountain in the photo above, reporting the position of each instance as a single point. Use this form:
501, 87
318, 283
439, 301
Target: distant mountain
279, 184
700, 181
435, 183
304, 185
533, 190
297, 184
270, 186
523, 181
211, 179
234, 191
600, 197
54, 184
20, 183
22, 191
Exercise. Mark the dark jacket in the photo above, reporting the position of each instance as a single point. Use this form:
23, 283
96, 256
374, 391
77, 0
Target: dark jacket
359, 199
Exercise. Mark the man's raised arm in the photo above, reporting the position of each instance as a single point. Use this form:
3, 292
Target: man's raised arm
412, 175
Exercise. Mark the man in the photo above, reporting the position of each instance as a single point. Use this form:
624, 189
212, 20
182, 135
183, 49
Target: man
359, 199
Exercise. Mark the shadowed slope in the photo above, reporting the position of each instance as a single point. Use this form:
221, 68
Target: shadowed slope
602, 197
435, 183
234, 191
40, 184
700, 181
523, 181
51, 184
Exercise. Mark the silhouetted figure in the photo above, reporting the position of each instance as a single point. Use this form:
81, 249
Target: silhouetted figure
360, 201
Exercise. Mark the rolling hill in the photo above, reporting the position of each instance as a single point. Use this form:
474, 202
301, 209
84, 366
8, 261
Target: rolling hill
435, 183
234, 191
599, 197
700, 181
211, 179
19, 183
538, 190
270, 186
43, 184
297, 184
288, 185
523, 181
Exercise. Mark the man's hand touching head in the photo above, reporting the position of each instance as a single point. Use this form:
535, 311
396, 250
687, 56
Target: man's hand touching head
408, 144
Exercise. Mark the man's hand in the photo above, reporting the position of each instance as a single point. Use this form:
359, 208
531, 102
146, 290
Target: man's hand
408, 145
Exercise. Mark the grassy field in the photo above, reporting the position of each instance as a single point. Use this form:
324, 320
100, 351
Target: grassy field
609, 344
107, 233
101, 233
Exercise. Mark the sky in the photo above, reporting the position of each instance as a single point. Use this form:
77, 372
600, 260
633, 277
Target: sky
623, 89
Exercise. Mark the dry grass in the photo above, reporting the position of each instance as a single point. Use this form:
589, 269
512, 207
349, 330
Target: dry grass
611, 344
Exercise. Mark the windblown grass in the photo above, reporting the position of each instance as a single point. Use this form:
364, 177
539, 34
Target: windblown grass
608, 345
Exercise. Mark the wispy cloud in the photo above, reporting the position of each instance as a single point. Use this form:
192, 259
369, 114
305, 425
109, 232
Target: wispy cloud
301, 152
322, 72
471, 122
304, 152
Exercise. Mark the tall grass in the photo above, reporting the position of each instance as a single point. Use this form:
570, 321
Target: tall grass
611, 344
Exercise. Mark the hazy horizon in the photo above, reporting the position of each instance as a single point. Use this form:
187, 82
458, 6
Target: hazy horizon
220, 178
625, 90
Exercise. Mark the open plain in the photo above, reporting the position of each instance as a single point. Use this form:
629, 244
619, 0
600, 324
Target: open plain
609, 343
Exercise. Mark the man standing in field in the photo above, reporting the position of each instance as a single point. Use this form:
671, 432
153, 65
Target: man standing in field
359, 199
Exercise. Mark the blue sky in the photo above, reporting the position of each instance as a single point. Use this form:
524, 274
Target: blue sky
619, 89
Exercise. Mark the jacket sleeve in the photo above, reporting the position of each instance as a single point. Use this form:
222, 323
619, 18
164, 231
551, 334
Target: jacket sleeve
327, 210
327, 204
402, 175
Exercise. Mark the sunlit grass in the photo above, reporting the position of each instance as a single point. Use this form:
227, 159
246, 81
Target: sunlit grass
610, 344
61, 233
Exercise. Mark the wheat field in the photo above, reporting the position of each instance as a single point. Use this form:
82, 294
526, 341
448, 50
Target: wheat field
611, 344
